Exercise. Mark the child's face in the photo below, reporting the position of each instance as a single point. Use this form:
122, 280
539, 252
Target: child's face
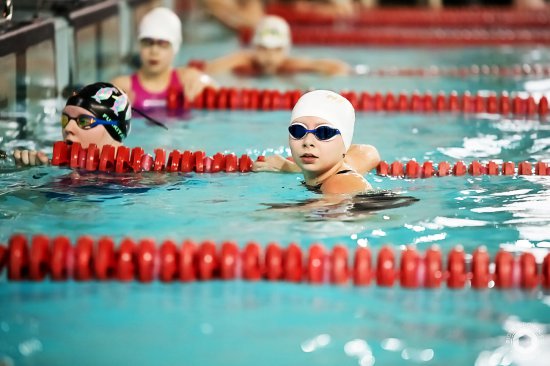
270, 59
156, 55
313, 155
97, 135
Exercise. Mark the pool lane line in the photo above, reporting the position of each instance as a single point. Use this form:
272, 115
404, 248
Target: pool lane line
142, 260
134, 160
516, 105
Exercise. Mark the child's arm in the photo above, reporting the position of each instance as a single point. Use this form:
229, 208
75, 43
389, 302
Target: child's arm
30, 158
323, 66
194, 81
236, 14
363, 158
227, 63
123, 83
275, 163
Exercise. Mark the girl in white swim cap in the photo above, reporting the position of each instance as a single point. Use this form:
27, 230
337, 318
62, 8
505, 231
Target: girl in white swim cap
159, 37
320, 135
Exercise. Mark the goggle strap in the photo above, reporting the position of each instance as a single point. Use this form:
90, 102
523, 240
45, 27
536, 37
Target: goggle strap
149, 118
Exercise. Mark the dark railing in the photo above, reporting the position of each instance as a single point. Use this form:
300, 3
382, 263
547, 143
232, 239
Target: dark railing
15, 44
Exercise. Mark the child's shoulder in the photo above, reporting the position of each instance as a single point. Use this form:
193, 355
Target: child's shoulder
351, 182
122, 82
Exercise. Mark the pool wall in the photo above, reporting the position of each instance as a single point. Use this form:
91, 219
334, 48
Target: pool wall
43, 52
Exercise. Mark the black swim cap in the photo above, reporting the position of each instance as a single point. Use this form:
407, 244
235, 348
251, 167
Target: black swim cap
105, 101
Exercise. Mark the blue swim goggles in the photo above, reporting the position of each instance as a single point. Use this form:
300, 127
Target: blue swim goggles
84, 121
323, 133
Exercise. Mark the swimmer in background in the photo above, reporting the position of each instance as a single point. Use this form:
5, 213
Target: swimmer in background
235, 14
97, 114
270, 55
320, 135
159, 42
333, 8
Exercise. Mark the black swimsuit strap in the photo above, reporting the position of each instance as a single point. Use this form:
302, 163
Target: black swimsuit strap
344, 171
317, 188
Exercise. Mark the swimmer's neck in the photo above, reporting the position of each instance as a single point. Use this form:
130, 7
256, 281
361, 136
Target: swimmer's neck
314, 178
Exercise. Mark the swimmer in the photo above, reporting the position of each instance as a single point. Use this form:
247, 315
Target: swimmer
97, 114
235, 14
330, 8
270, 55
320, 135
159, 42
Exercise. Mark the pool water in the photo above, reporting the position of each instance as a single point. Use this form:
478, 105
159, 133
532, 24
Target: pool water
280, 323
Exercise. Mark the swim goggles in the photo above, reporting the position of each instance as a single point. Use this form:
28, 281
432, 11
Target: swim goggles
323, 133
150, 42
84, 121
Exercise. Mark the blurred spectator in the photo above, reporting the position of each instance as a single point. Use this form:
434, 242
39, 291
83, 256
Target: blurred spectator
236, 14
160, 38
270, 54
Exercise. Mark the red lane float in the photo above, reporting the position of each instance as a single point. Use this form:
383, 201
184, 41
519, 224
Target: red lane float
475, 168
480, 268
362, 267
187, 263
229, 260
433, 268
456, 268
273, 262
137, 161
254, 99
59, 263
125, 267
198, 162
102, 260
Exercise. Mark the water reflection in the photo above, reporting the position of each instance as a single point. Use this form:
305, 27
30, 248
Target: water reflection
524, 344
281, 322
345, 207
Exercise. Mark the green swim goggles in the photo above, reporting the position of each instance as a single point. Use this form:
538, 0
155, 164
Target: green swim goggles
84, 121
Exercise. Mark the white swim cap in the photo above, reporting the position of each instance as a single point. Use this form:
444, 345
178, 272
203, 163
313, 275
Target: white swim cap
161, 23
330, 106
272, 32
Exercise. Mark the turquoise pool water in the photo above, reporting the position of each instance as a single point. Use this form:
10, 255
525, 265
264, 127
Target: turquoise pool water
279, 323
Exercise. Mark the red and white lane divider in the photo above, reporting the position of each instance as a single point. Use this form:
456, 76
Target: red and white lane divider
144, 261
489, 102
417, 17
126, 160
135, 160
413, 169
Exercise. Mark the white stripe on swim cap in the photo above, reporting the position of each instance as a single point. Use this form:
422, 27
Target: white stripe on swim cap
330, 106
161, 23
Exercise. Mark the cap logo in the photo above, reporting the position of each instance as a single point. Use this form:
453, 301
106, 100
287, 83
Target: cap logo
120, 103
103, 94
